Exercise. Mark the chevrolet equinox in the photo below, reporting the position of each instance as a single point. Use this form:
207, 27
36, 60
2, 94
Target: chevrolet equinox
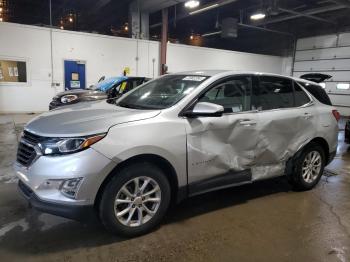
174, 137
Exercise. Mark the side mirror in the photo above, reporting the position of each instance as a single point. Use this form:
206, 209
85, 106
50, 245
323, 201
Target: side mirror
205, 109
101, 79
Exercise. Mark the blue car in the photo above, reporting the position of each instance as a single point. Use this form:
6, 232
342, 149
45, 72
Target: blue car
106, 84
108, 88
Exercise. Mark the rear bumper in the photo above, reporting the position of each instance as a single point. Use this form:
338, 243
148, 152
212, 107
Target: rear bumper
80, 213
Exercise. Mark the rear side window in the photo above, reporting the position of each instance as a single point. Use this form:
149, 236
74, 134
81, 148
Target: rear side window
274, 93
301, 98
318, 92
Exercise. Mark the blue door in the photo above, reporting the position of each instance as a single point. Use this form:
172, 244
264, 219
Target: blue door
74, 75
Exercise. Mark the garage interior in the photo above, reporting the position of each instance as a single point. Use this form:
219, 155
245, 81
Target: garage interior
264, 221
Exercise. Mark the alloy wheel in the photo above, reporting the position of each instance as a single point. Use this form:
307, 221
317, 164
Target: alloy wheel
137, 201
311, 167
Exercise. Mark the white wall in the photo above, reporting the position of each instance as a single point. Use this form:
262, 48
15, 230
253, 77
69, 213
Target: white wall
184, 57
104, 55
329, 54
33, 45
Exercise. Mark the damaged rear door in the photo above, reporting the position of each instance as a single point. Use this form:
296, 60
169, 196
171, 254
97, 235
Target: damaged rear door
221, 150
286, 118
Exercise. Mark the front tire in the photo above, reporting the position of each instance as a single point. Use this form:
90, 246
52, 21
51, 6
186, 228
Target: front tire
135, 200
308, 168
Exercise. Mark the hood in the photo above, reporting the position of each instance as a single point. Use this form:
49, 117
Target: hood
84, 119
74, 92
82, 93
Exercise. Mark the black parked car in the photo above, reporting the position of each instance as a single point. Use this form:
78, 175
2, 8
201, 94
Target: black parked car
347, 132
109, 88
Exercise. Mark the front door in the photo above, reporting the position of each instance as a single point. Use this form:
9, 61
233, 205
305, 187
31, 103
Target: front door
221, 150
74, 74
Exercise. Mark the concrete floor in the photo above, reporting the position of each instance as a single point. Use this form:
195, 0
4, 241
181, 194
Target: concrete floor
266, 221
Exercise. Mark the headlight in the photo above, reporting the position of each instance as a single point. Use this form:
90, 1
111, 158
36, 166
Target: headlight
54, 146
68, 98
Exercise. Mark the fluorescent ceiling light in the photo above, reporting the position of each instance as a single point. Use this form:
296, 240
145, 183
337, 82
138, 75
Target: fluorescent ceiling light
343, 86
258, 16
210, 34
192, 4
204, 9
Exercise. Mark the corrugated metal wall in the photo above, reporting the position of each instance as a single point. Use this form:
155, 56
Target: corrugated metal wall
328, 54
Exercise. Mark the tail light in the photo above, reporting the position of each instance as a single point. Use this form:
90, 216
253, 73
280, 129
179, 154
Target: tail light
336, 114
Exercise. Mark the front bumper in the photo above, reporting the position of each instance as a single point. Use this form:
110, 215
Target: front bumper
81, 213
54, 104
89, 165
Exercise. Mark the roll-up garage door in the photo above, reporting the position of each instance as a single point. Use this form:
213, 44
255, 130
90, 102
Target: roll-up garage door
330, 55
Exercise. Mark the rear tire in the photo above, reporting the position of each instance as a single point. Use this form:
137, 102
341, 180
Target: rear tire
308, 168
135, 200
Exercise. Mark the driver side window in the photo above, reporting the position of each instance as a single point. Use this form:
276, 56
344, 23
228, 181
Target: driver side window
233, 94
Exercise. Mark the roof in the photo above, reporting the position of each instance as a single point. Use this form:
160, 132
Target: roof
222, 73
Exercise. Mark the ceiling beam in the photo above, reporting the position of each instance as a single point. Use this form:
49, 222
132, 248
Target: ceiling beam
307, 15
343, 3
199, 10
252, 27
151, 6
301, 14
265, 29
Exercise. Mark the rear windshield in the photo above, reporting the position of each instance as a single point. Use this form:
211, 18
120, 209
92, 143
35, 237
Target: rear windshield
318, 92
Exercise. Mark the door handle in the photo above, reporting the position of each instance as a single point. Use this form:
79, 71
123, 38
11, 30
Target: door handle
247, 122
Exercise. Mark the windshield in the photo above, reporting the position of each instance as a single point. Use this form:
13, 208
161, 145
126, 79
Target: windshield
162, 92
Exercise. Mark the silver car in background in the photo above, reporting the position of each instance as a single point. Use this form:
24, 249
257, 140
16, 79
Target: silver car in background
174, 137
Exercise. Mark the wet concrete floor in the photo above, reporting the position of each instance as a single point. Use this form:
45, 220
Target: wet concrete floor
265, 221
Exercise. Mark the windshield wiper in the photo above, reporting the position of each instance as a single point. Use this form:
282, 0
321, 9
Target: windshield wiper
134, 106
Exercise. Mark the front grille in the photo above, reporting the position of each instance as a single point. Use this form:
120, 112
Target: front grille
31, 138
26, 152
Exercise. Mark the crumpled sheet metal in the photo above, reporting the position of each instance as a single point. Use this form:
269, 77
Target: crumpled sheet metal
219, 145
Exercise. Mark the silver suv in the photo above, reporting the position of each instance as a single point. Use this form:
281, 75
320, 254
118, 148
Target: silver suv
177, 136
